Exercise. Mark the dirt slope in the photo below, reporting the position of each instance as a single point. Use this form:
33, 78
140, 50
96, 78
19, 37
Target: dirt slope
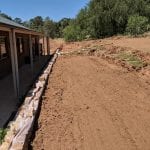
142, 44
93, 105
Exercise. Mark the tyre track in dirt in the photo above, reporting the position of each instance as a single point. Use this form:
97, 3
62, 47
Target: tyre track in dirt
90, 104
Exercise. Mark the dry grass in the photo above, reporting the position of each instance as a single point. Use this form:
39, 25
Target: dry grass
132, 60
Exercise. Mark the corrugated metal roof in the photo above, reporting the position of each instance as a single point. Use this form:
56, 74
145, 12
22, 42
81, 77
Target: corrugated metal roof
11, 23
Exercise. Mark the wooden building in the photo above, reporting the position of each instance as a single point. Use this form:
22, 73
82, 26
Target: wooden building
18, 46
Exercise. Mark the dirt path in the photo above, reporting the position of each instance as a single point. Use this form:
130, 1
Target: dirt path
93, 105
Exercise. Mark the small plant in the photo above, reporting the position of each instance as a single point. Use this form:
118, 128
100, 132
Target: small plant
2, 134
132, 60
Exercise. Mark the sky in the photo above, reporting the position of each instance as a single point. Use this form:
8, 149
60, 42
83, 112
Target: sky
55, 9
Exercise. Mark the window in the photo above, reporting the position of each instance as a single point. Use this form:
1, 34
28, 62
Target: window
20, 45
3, 50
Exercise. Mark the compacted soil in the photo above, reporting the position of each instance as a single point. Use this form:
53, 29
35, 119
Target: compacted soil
90, 104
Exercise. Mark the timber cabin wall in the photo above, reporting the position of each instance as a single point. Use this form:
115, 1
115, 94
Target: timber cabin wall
5, 63
36, 46
23, 54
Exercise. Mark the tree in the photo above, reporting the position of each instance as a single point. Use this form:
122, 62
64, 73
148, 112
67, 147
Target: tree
5, 16
18, 20
36, 23
82, 20
61, 25
119, 17
102, 18
49, 27
26, 24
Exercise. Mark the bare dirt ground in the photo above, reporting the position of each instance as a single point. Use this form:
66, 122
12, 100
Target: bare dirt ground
90, 104
112, 47
141, 43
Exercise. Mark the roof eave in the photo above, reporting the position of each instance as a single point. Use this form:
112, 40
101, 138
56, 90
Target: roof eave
20, 30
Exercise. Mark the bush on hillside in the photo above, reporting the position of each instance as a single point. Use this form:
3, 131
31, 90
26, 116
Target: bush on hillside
137, 25
73, 33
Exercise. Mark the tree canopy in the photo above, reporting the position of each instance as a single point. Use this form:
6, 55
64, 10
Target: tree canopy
102, 18
98, 19
45, 25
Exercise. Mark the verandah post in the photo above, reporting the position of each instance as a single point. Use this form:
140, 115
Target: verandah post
39, 46
14, 61
44, 46
48, 46
31, 53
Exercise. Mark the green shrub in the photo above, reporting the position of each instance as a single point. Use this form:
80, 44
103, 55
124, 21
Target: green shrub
73, 32
137, 25
2, 135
